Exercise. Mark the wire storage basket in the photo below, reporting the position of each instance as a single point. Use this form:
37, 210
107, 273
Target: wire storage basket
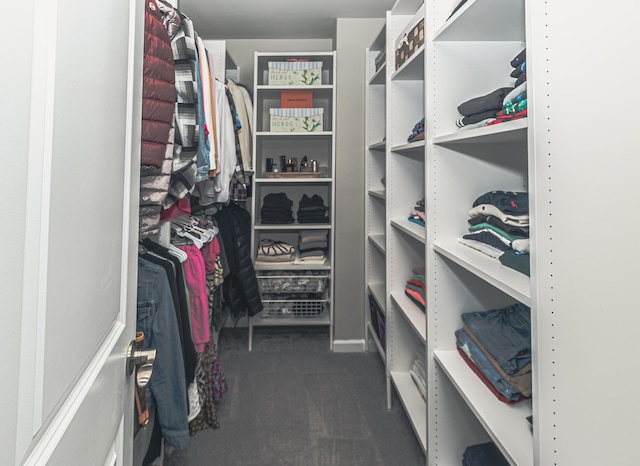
293, 308
288, 282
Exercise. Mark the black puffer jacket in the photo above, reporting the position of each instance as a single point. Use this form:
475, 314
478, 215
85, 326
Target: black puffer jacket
241, 286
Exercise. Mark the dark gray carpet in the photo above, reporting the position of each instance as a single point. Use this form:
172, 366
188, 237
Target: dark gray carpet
293, 402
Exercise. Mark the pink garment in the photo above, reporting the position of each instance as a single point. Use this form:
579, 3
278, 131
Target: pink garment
210, 252
196, 283
419, 214
415, 295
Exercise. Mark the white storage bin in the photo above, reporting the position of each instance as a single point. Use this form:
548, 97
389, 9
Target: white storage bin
293, 120
295, 73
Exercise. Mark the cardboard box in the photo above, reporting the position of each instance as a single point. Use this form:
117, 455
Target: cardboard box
296, 99
296, 120
295, 73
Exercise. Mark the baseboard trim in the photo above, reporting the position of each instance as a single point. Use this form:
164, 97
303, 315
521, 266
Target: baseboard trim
348, 346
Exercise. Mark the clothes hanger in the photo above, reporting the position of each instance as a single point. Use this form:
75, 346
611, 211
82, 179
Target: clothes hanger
179, 253
190, 224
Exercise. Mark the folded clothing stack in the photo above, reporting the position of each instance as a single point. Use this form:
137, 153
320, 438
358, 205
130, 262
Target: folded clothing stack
514, 105
496, 344
417, 133
272, 252
482, 109
418, 372
500, 105
312, 246
415, 288
499, 227
276, 209
312, 210
485, 454
417, 214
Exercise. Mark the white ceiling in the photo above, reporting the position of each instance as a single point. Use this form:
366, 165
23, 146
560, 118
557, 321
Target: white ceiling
276, 19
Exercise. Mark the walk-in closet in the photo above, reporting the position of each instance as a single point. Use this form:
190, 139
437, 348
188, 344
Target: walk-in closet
331, 233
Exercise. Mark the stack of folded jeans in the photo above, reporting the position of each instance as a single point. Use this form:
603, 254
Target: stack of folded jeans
312, 210
276, 209
499, 227
312, 246
496, 344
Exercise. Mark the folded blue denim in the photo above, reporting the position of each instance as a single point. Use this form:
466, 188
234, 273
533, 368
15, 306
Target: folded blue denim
505, 333
156, 317
476, 356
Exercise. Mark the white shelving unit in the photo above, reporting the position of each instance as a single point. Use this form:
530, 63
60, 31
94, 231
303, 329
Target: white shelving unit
582, 292
319, 146
405, 185
376, 195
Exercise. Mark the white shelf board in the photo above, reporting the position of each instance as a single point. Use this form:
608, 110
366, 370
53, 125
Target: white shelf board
381, 145
412, 69
268, 87
477, 20
379, 193
293, 180
296, 54
506, 424
512, 282
409, 228
377, 290
379, 76
406, 7
322, 320
294, 267
376, 340
294, 226
279, 134
507, 132
413, 404
412, 313
412, 149
379, 242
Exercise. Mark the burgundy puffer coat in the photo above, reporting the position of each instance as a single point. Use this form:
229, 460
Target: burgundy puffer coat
159, 91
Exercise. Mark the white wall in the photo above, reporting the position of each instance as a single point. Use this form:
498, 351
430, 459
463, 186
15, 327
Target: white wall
352, 37
14, 132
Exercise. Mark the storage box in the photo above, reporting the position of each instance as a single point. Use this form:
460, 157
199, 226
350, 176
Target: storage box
292, 309
295, 73
296, 99
303, 120
283, 282
410, 41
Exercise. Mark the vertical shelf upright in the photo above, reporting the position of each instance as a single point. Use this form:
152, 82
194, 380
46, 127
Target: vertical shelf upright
478, 41
303, 309
375, 197
405, 241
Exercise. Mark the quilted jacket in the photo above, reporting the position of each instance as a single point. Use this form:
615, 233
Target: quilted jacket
241, 286
158, 87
